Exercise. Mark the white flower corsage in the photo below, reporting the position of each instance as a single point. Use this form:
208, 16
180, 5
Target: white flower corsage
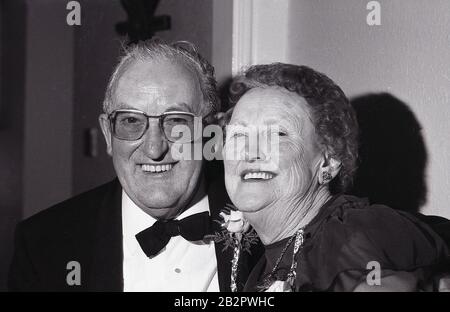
235, 223
235, 234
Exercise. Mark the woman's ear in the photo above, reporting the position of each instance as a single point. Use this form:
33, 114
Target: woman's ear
329, 169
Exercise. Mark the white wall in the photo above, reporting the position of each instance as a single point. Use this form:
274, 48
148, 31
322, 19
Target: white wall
260, 32
408, 55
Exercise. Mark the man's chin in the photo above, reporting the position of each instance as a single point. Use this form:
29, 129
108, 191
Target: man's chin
161, 208
162, 213
163, 203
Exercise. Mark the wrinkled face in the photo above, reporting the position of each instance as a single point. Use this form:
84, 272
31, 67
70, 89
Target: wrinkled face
261, 179
146, 168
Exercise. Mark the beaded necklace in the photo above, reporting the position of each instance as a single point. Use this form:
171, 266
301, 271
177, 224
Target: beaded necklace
287, 285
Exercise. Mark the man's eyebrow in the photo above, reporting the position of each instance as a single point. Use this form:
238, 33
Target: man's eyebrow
122, 105
179, 106
175, 107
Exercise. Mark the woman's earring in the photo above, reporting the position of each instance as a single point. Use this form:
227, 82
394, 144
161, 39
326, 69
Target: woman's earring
325, 178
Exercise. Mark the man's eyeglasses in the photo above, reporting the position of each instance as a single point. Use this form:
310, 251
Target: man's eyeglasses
131, 125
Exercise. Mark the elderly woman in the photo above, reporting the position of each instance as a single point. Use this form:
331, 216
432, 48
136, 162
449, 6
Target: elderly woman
290, 185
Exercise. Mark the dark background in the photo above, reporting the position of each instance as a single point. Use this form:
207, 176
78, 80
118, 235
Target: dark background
52, 83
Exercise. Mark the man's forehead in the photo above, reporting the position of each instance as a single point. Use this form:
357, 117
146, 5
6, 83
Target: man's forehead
171, 85
143, 72
156, 67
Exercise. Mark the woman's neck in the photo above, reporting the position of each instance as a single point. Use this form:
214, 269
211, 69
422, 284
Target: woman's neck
282, 219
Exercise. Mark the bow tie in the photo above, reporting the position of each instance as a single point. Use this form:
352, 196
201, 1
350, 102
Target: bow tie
156, 237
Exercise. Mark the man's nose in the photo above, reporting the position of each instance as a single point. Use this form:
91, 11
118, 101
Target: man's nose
155, 144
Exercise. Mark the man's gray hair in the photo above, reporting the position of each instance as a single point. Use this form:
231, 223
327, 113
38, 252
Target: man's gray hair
184, 51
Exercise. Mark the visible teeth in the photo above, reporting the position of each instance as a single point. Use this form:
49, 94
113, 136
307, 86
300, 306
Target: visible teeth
157, 168
258, 175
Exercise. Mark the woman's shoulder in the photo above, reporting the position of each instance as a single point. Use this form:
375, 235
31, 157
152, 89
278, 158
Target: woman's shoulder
358, 215
350, 234
376, 232
357, 210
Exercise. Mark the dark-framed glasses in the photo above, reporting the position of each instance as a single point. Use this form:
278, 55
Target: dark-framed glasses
131, 125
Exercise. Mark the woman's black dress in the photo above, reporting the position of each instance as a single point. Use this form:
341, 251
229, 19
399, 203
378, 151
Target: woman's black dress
345, 238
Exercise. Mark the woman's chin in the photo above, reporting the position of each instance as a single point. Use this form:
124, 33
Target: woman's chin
250, 203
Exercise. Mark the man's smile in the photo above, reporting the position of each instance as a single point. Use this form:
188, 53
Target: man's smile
157, 168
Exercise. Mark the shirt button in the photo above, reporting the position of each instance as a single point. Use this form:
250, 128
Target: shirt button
177, 270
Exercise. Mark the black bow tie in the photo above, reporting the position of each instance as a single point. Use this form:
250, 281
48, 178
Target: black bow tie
156, 237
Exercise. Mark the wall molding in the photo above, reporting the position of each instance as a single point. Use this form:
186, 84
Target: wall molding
243, 34
260, 32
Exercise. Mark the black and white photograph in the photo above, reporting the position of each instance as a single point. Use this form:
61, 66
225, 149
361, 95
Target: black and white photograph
224, 150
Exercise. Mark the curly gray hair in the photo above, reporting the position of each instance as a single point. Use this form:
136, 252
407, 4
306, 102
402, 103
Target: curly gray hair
333, 116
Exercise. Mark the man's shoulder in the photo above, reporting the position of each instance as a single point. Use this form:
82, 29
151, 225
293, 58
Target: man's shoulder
73, 230
73, 211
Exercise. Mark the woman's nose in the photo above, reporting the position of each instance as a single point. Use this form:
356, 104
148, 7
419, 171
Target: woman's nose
155, 144
255, 152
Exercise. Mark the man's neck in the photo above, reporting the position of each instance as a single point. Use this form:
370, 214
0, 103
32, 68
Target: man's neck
283, 219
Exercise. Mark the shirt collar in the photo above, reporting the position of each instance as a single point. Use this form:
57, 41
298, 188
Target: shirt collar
135, 220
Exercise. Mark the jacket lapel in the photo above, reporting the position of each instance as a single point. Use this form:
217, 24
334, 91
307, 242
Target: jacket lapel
106, 270
217, 198
107, 254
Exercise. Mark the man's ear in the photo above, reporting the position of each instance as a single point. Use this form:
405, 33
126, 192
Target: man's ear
106, 129
329, 169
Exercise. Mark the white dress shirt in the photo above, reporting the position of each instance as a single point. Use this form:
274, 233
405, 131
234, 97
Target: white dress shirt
180, 266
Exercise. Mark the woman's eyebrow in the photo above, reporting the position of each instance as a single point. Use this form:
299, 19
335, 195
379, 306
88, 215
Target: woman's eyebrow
272, 121
239, 123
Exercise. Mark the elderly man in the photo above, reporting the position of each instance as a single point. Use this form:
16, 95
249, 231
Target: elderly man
145, 231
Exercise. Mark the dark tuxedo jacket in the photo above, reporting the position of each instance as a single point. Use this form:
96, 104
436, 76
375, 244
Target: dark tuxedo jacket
88, 229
